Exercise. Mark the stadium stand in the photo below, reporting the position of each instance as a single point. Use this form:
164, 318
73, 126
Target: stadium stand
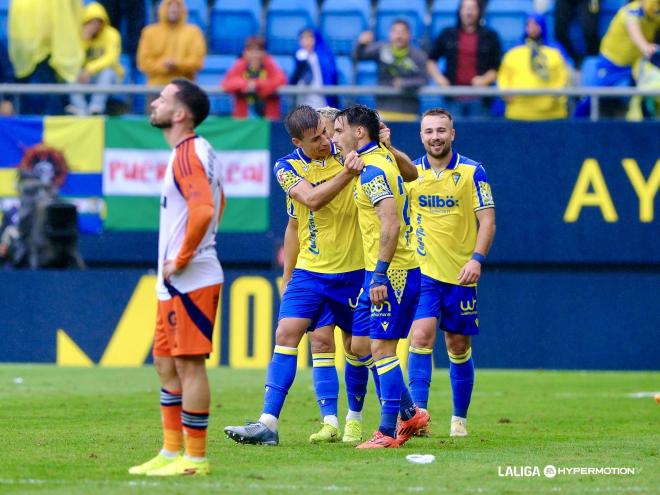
4, 10
443, 15
413, 11
507, 18
212, 74
353, 18
198, 13
589, 71
231, 22
284, 20
366, 74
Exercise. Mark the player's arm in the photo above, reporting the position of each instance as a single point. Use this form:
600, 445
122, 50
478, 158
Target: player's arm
316, 197
471, 271
405, 165
195, 188
291, 250
390, 225
634, 29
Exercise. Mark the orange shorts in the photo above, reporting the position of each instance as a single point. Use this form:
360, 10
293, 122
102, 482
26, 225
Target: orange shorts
184, 323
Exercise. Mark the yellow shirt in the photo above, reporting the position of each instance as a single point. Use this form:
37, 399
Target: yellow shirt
516, 73
329, 238
443, 207
381, 179
103, 51
617, 46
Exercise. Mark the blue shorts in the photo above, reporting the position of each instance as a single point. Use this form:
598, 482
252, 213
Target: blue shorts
326, 318
454, 305
309, 293
392, 319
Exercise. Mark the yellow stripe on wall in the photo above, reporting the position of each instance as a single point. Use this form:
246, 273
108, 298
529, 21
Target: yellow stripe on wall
81, 139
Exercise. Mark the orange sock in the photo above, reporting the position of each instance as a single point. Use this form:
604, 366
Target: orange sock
170, 409
195, 425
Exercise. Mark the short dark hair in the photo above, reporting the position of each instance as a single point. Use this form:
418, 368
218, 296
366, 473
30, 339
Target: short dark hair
364, 116
301, 119
254, 42
194, 98
438, 111
401, 20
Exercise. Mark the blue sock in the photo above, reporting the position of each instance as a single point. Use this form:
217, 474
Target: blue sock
392, 385
326, 383
368, 361
407, 406
420, 366
461, 376
356, 376
281, 372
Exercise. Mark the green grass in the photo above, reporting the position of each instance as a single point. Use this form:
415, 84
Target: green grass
75, 431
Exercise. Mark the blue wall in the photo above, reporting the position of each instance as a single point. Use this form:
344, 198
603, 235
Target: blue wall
556, 293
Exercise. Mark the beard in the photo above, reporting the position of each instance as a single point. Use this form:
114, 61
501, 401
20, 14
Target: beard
160, 124
446, 149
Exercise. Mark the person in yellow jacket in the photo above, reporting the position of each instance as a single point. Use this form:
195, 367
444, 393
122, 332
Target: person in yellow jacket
534, 65
102, 45
171, 47
44, 47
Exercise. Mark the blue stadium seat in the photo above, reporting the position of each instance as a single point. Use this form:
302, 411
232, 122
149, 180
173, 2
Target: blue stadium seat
608, 9
342, 21
284, 21
4, 11
366, 74
213, 72
426, 102
198, 13
589, 71
231, 22
125, 61
286, 63
345, 76
507, 18
443, 15
413, 11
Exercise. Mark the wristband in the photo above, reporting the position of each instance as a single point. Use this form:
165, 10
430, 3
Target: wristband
382, 266
478, 257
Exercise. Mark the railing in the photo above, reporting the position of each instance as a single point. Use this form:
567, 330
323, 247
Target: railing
595, 94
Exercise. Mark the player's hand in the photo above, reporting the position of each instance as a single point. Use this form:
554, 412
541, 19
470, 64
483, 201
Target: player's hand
470, 273
365, 38
649, 50
385, 135
353, 163
169, 269
378, 288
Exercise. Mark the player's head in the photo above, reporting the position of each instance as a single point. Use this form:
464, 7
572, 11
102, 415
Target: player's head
355, 127
437, 132
180, 102
328, 115
307, 131
400, 33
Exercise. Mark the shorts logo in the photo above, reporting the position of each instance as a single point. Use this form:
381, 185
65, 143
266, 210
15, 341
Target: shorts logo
378, 308
352, 304
171, 318
385, 324
468, 307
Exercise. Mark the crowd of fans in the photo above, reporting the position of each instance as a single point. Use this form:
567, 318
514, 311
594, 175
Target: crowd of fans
82, 44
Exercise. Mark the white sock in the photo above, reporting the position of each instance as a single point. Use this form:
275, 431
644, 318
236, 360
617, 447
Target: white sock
354, 415
167, 453
331, 419
196, 459
458, 418
270, 421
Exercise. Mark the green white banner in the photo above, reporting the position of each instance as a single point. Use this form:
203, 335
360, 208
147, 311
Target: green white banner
135, 160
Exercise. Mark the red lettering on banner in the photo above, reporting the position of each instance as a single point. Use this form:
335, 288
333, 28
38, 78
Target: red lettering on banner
145, 171
235, 173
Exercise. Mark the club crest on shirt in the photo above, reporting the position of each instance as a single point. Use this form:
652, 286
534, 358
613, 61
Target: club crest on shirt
456, 176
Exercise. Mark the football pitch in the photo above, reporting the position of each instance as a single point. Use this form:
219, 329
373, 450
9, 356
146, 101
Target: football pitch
77, 430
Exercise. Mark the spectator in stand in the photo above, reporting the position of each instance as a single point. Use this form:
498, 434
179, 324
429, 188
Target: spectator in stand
134, 14
44, 48
472, 52
315, 67
253, 81
102, 45
587, 12
6, 76
534, 65
171, 47
400, 65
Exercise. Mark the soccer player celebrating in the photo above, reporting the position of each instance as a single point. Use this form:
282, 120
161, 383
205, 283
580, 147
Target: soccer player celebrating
189, 280
453, 218
329, 268
391, 286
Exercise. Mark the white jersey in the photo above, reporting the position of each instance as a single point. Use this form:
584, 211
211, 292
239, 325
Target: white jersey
204, 268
